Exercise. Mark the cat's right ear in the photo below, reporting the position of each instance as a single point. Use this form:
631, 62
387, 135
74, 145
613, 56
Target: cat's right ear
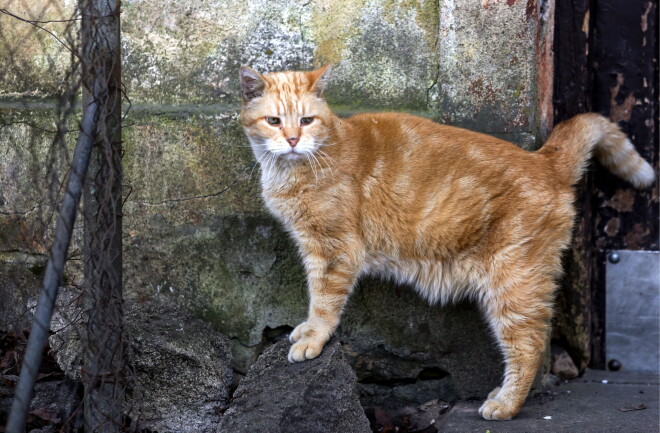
319, 78
252, 84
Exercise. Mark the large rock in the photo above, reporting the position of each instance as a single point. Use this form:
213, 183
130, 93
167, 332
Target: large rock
55, 402
182, 366
562, 364
276, 396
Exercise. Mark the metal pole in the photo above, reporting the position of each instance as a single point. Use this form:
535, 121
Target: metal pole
54, 268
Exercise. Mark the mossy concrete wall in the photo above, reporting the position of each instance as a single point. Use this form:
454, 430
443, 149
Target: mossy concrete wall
196, 233
472, 63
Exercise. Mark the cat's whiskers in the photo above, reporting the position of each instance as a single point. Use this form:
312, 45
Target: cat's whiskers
326, 157
252, 172
329, 161
316, 162
334, 143
319, 157
271, 169
311, 153
311, 164
272, 161
268, 160
261, 162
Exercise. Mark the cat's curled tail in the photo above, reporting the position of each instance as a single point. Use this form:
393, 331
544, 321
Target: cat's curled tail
573, 141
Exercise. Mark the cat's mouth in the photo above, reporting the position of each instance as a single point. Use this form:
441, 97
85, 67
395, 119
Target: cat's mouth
291, 155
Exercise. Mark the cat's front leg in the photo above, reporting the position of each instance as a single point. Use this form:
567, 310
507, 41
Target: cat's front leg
329, 287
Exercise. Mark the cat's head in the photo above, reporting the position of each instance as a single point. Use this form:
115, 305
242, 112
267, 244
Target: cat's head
284, 114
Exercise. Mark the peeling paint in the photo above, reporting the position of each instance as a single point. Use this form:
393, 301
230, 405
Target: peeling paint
531, 9
612, 227
623, 111
623, 200
637, 238
645, 16
545, 69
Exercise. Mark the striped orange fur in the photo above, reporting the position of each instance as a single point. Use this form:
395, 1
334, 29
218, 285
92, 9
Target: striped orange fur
454, 213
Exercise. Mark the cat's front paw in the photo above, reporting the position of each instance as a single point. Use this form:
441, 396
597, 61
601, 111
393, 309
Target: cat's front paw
494, 409
493, 393
298, 332
308, 343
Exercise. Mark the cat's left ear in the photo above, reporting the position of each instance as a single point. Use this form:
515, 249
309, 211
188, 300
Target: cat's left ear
319, 78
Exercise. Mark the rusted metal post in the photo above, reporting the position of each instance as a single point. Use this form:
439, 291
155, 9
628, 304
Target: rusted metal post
103, 370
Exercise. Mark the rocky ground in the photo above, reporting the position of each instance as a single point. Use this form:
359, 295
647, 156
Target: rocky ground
186, 384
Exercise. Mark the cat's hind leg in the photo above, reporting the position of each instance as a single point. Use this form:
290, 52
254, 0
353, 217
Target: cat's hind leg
520, 318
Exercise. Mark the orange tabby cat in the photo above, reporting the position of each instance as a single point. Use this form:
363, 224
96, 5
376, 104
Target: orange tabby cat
454, 213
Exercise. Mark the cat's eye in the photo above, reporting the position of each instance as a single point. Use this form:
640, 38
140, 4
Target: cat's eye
306, 120
273, 120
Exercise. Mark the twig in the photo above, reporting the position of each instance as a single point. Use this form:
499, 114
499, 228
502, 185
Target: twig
36, 24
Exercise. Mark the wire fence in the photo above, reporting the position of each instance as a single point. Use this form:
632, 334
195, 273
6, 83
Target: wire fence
60, 124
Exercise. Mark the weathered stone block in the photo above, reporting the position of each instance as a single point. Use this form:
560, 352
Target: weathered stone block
20, 280
189, 52
33, 62
32, 167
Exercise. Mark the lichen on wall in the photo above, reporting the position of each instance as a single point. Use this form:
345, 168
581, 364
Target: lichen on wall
384, 52
175, 52
486, 80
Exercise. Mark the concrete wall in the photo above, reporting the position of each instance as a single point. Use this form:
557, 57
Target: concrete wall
195, 230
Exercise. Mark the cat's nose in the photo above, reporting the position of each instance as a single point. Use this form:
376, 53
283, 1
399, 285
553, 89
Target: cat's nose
292, 141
